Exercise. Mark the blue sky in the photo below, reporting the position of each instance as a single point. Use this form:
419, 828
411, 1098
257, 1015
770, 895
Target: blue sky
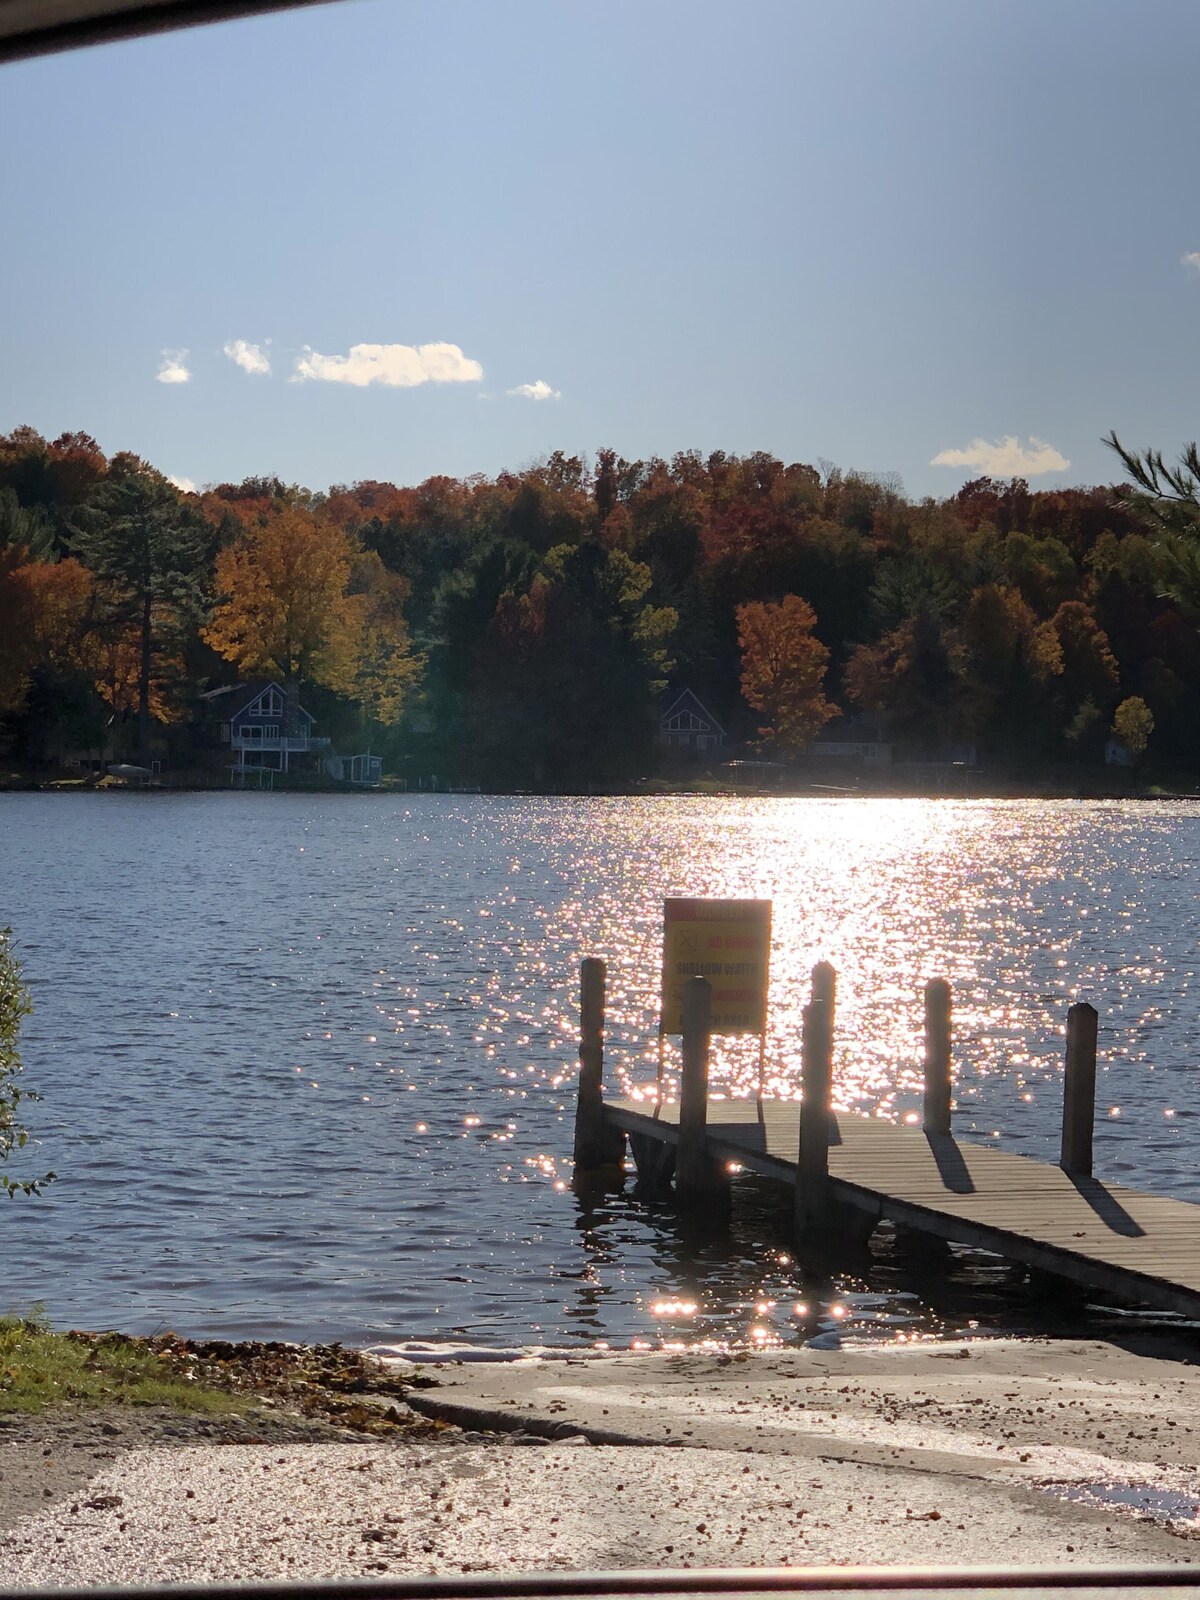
869, 231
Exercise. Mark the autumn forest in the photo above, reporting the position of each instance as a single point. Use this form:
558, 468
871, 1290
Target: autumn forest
519, 631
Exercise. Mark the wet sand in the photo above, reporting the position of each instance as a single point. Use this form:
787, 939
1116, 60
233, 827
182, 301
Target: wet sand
1037, 1452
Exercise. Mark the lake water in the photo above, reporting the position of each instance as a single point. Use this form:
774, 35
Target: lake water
308, 1061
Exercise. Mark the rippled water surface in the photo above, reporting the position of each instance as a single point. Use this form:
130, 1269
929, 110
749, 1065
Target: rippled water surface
308, 1061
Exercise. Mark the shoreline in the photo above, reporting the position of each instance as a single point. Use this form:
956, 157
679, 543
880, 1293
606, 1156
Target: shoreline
822, 784
948, 1452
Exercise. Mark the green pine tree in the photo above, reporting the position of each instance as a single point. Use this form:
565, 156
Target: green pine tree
148, 553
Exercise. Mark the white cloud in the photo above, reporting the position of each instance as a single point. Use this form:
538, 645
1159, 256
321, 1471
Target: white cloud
1005, 458
171, 368
1192, 259
250, 357
184, 485
540, 390
396, 366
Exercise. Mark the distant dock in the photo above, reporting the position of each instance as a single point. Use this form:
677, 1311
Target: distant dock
850, 1172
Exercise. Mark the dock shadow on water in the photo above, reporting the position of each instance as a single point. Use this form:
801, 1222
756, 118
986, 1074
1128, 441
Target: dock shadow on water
737, 1279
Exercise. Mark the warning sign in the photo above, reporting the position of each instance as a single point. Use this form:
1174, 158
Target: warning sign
729, 943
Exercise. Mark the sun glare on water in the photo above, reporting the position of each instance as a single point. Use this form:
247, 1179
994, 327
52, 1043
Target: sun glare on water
892, 892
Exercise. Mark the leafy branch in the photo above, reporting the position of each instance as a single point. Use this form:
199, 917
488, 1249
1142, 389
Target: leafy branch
1168, 498
14, 1005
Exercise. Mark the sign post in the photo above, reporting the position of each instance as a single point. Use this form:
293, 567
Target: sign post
729, 943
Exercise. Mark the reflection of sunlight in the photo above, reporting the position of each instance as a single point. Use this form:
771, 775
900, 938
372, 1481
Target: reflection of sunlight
1023, 907
892, 892
674, 1308
875, 887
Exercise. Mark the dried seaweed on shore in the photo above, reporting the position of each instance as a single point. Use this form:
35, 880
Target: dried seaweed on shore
327, 1382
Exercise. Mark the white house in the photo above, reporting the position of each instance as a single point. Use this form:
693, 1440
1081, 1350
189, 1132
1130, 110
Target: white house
872, 752
856, 739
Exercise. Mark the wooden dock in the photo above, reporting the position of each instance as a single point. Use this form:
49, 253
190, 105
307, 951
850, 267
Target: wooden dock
851, 1172
1137, 1246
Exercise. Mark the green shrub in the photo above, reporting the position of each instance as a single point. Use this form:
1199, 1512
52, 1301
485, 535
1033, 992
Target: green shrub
14, 1005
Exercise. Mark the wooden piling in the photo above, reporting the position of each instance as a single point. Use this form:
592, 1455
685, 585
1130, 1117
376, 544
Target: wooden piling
597, 1144
937, 1056
816, 1080
1079, 1091
824, 987
699, 1175
654, 1161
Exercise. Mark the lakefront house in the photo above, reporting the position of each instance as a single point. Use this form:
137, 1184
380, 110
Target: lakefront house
686, 723
267, 729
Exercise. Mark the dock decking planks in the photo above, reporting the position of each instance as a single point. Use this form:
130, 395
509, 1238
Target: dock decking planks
1135, 1245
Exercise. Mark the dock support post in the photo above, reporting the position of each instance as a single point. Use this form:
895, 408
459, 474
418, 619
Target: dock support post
816, 1079
1079, 1091
824, 988
597, 1144
937, 1056
655, 1163
699, 1176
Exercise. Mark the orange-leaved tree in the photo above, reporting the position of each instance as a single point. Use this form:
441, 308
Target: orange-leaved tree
45, 609
281, 587
300, 602
783, 670
379, 649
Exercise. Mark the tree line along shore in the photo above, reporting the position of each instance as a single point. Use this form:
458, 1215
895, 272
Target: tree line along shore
525, 631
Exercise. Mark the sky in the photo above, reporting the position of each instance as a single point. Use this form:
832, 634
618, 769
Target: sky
397, 238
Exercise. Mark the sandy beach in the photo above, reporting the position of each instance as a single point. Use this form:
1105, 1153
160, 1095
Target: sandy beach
1033, 1452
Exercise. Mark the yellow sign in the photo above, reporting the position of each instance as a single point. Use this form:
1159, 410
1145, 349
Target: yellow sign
729, 943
